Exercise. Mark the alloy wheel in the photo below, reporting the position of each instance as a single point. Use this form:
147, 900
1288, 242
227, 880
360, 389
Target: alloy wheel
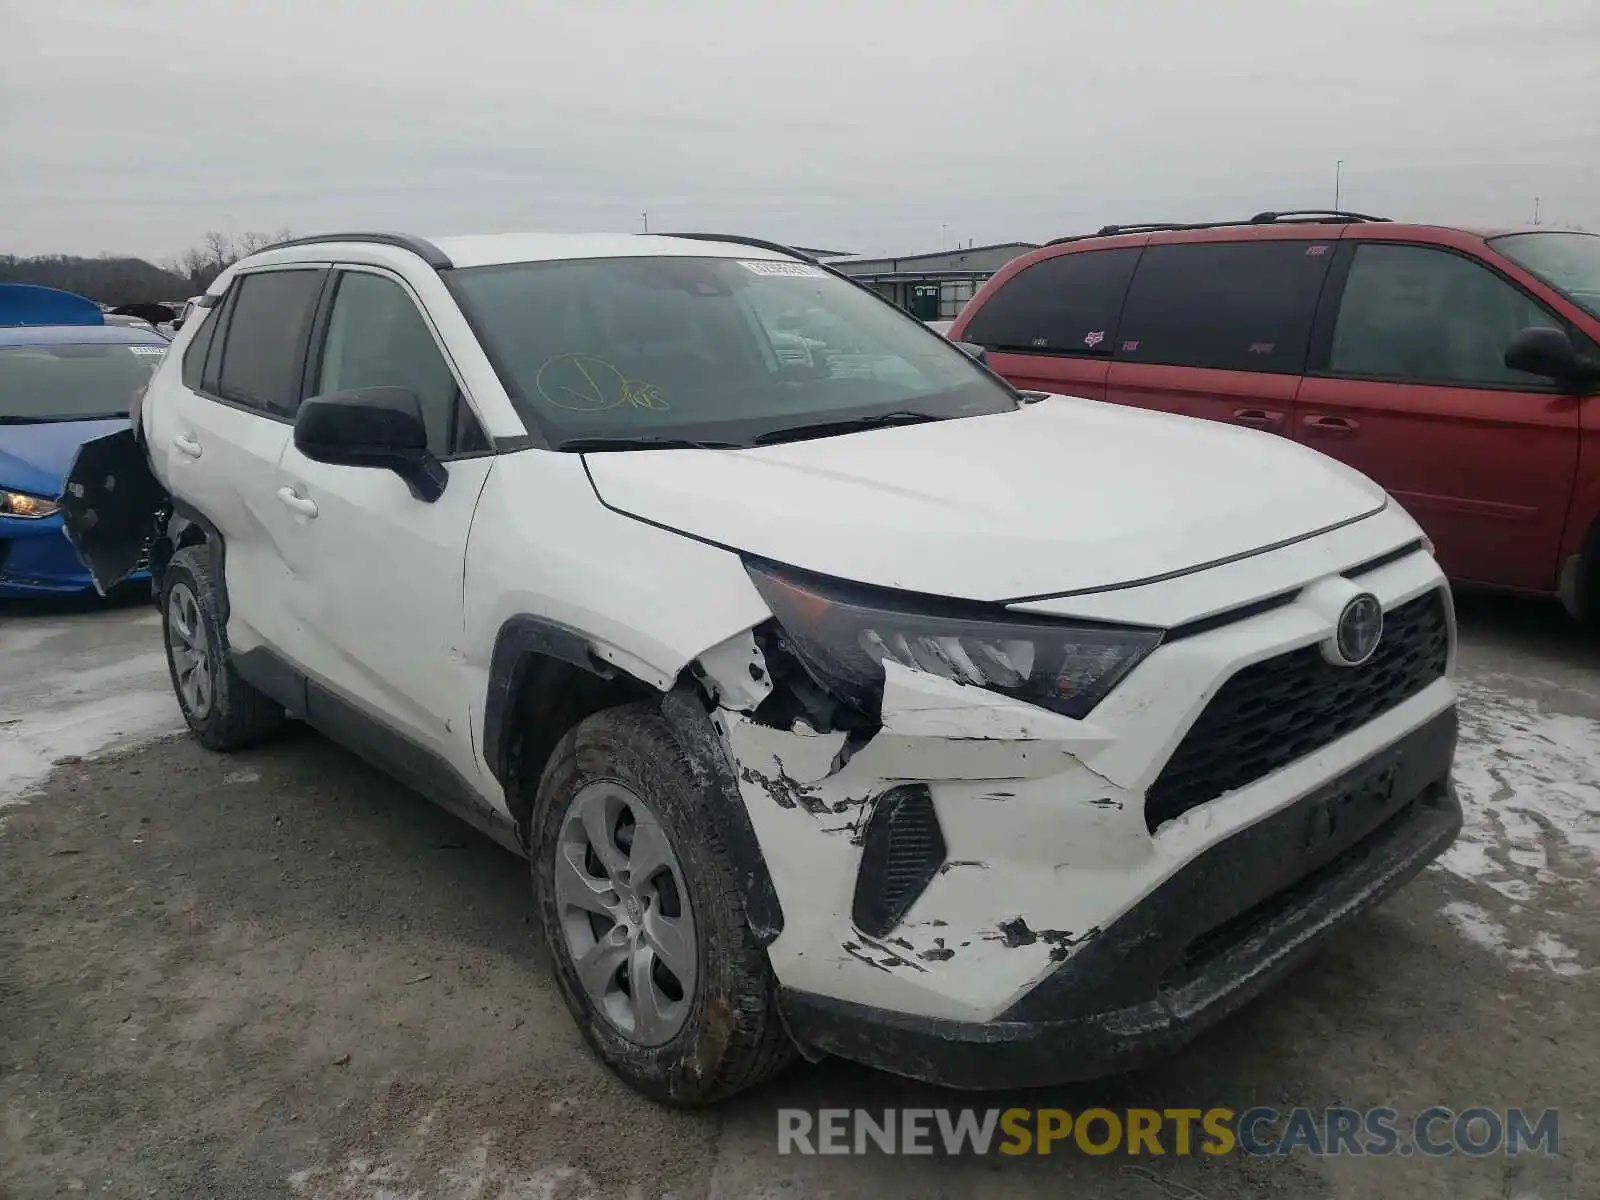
191, 651
624, 910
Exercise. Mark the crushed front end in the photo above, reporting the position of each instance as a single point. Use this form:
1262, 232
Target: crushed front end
987, 884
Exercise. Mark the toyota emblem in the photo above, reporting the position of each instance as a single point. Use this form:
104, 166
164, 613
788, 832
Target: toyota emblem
1355, 638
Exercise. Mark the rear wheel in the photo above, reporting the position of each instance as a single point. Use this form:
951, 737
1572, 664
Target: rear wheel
640, 907
223, 711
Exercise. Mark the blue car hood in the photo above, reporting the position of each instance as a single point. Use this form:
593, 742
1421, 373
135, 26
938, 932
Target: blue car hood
34, 458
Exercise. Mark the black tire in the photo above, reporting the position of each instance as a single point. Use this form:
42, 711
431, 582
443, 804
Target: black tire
1589, 586
237, 715
734, 1036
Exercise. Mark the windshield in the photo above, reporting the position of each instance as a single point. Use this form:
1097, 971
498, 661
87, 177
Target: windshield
72, 381
1568, 262
715, 350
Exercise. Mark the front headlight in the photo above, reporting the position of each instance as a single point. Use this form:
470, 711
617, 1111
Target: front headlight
20, 504
843, 633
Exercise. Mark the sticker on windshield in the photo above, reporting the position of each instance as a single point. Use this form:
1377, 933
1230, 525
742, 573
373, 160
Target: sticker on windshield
771, 266
148, 349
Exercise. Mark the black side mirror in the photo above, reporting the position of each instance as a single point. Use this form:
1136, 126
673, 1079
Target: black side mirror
973, 350
1541, 350
175, 324
372, 427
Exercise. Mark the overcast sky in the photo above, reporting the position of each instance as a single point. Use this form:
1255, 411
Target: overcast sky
864, 125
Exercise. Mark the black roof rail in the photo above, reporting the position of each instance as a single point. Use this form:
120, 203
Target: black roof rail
421, 247
1298, 215
1313, 214
735, 239
1142, 227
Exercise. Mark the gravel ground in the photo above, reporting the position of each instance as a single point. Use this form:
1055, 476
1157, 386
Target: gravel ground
278, 973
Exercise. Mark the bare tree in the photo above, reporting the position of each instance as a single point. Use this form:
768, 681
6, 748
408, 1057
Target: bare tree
249, 243
220, 251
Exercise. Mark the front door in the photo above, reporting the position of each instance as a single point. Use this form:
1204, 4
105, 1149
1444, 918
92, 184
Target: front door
376, 575
1416, 394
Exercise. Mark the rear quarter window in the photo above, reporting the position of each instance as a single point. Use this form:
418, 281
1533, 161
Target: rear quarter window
1063, 305
262, 354
1235, 306
194, 356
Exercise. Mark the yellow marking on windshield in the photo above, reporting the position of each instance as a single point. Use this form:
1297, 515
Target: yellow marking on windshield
588, 383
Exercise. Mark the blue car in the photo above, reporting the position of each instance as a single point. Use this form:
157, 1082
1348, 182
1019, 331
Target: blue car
61, 385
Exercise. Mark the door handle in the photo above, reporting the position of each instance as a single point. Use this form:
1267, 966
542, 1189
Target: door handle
1321, 425
1258, 418
303, 505
186, 445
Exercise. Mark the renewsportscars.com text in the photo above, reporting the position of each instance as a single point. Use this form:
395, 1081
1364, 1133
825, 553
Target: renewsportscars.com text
1435, 1132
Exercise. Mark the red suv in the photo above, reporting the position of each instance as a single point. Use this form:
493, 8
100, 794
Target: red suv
1457, 368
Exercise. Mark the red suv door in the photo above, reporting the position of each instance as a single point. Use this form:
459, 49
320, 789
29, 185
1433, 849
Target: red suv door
1408, 384
1220, 329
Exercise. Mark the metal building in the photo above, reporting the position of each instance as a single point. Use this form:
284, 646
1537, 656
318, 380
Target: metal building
933, 286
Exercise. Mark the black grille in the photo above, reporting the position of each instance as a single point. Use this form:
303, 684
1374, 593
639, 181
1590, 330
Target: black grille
1274, 712
902, 850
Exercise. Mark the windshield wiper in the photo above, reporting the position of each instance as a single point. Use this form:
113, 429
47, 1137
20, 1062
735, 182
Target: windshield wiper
645, 441
791, 433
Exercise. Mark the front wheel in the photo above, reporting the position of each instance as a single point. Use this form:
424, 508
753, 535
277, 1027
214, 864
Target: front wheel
223, 711
640, 908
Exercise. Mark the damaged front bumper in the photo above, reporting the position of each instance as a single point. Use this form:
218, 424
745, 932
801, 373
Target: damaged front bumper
1036, 918
1214, 936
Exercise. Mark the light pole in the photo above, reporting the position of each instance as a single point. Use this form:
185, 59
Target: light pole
942, 230
646, 217
1338, 169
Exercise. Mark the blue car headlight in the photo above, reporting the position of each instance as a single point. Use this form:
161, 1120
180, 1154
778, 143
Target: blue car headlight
21, 504
843, 634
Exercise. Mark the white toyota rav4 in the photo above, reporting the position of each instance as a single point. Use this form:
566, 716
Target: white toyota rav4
843, 699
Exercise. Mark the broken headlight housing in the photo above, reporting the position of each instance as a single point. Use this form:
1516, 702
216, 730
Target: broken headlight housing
20, 504
843, 633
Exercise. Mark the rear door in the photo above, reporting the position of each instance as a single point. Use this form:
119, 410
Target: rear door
1051, 326
1409, 385
1219, 330
217, 436
375, 575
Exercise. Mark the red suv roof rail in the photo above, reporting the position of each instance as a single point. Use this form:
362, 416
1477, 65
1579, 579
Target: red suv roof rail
1307, 216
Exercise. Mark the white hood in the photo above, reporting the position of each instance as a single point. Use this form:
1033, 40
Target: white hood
1064, 495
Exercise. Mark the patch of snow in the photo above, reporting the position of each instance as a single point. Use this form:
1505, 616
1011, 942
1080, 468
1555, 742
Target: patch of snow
1530, 788
242, 777
17, 639
1530, 794
34, 740
1546, 952
474, 1176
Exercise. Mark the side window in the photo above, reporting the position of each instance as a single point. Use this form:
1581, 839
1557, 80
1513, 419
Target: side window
1233, 306
194, 358
267, 325
1067, 304
377, 338
1424, 315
